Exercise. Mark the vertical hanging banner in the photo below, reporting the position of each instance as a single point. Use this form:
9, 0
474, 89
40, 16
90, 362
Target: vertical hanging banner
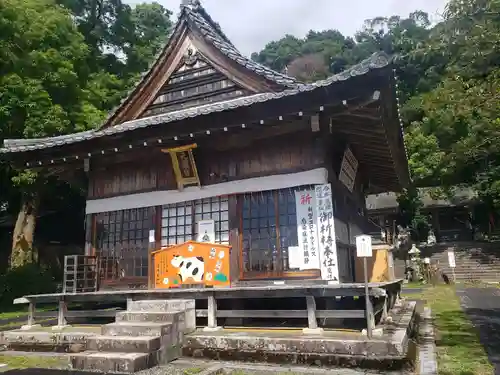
326, 228
307, 232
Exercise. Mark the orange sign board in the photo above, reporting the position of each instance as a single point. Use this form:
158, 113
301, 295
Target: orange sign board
192, 263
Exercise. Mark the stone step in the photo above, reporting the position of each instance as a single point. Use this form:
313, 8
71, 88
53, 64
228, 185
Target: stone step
472, 271
137, 329
154, 317
124, 344
112, 362
160, 305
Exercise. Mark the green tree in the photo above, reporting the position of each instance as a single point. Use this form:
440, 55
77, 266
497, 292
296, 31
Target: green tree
63, 65
453, 130
41, 94
122, 41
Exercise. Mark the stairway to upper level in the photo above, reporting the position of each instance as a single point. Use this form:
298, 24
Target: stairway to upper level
149, 333
475, 261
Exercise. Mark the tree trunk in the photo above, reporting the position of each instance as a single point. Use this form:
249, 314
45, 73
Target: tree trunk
24, 231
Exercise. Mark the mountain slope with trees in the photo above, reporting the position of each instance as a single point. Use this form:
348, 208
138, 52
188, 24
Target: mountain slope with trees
448, 81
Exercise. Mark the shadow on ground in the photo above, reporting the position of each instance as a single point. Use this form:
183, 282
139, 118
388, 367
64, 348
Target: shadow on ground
482, 307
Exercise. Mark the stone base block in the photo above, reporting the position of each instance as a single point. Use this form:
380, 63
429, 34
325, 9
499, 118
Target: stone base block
60, 328
167, 354
27, 327
160, 305
124, 344
137, 329
376, 332
71, 342
154, 317
112, 362
313, 331
212, 329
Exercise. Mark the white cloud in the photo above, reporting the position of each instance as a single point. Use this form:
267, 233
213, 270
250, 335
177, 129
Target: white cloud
252, 24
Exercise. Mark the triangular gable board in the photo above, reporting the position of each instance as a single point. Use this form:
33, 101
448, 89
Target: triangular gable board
195, 82
198, 66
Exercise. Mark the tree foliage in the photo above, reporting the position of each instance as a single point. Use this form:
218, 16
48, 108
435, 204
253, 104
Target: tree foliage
63, 65
448, 85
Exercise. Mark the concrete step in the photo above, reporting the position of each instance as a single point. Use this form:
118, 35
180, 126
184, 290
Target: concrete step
137, 329
124, 344
112, 362
154, 317
160, 305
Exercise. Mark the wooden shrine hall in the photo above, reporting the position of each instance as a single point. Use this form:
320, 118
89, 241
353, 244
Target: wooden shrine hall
225, 195
218, 171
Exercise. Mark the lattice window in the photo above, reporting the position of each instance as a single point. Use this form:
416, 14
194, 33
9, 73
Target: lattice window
122, 240
269, 222
217, 209
178, 225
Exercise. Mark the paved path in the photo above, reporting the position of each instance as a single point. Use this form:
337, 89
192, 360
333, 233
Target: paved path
482, 306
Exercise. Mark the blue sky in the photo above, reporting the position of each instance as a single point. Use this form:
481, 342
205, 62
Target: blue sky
252, 24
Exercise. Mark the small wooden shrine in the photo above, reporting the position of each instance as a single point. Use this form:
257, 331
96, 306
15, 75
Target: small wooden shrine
213, 147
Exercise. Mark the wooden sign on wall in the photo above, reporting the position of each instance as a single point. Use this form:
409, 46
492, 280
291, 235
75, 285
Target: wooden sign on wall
348, 169
192, 263
184, 165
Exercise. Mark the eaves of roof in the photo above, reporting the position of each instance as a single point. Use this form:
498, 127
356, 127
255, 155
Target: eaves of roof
376, 61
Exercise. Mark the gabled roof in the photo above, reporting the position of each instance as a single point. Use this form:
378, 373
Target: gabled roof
376, 62
198, 18
194, 17
462, 196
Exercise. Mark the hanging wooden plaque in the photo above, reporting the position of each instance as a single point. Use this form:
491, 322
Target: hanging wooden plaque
184, 165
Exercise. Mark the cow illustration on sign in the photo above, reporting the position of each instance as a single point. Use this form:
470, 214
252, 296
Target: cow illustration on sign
193, 267
192, 263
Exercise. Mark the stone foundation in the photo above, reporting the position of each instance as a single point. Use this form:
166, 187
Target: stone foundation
332, 348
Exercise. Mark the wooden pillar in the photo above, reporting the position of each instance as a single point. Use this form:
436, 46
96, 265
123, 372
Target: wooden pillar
88, 235
154, 243
234, 239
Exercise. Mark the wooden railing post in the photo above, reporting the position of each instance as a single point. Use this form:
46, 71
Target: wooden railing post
31, 317
61, 315
312, 321
212, 315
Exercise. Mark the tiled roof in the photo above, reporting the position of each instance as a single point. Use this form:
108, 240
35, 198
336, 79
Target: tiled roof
389, 201
376, 61
199, 18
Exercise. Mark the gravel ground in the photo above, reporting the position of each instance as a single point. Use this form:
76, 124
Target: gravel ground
482, 306
200, 367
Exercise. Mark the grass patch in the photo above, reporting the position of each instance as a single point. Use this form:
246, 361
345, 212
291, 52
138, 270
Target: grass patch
192, 371
34, 361
414, 285
459, 350
16, 311
15, 325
